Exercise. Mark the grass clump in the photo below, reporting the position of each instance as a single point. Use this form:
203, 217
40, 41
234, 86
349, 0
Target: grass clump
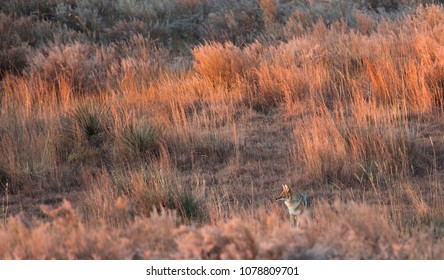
141, 139
162, 190
142, 190
89, 120
82, 135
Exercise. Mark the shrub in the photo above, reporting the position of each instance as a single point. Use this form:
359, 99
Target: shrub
13, 59
82, 66
270, 9
221, 63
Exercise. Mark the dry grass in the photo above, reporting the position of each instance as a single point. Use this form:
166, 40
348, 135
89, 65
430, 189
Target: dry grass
359, 232
170, 126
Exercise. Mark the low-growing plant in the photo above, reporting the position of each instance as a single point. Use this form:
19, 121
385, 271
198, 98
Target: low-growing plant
162, 190
82, 134
141, 139
89, 121
145, 189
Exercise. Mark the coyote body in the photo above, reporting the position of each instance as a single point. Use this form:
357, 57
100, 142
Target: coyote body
297, 204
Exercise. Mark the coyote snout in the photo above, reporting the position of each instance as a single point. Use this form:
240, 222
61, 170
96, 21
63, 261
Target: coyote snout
297, 204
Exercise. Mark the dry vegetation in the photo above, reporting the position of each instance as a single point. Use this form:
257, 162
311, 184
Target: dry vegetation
164, 129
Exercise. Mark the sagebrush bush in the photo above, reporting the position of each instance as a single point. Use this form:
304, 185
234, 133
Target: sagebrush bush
270, 9
81, 65
222, 63
13, 59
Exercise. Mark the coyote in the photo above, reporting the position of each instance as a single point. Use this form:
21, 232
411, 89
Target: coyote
296, 203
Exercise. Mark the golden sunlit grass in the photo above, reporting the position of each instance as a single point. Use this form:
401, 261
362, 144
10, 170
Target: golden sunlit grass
358, 232
173, 143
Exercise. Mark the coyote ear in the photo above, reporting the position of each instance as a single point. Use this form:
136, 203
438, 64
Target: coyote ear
285, 188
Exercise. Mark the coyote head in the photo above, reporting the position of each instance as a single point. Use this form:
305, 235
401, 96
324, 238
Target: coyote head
286, 193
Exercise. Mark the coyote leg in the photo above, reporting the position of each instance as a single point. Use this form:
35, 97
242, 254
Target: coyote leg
294, 221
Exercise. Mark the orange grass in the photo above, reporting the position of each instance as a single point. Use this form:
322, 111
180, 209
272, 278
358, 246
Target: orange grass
175, 141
